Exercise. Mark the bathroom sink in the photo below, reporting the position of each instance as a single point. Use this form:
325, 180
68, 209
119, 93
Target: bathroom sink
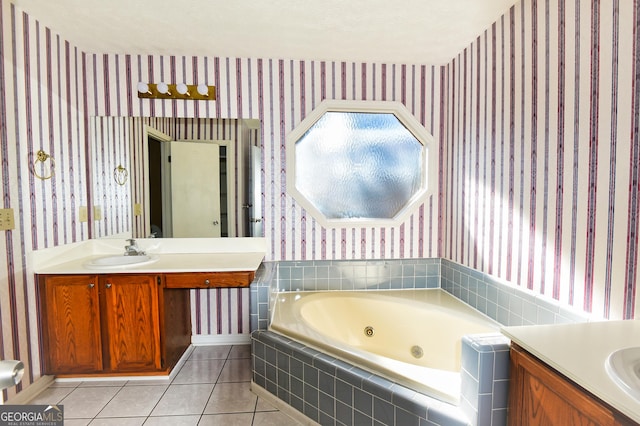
119, 260
623, 366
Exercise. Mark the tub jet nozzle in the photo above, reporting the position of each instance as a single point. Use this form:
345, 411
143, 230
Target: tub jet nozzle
417, 351
369, 331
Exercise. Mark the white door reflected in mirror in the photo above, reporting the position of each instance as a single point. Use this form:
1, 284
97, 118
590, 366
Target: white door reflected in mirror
195, 189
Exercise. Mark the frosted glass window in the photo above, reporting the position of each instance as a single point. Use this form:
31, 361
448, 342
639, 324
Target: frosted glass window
351, 162
358, 165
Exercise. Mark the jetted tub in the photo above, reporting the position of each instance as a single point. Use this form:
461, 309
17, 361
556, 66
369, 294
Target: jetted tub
412, 337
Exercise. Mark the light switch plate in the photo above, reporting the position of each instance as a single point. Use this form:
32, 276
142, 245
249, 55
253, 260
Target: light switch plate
6, 220
83, 214
137, 209
97, 213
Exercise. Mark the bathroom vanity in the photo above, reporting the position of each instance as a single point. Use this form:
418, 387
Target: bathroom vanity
558, 374
132, 319
112, 324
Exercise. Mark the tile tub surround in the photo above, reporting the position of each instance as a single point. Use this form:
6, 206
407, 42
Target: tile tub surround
485, 358
485, 379
508, 305
332, 392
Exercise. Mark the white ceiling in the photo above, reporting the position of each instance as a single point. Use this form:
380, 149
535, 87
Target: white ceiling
400, 31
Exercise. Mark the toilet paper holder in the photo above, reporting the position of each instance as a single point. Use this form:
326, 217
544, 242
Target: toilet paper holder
11, 373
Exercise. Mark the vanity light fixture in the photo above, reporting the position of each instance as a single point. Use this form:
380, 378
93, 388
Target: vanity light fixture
163, 90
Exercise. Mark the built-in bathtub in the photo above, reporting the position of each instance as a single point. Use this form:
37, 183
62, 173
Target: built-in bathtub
329, 390
412, 337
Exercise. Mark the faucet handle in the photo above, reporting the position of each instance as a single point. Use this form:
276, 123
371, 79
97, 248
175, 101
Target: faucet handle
132, 249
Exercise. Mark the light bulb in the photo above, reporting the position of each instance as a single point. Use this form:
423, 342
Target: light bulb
182, 89
143, 87
203, 89
163, 88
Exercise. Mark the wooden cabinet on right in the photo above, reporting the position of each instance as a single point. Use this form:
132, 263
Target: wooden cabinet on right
539, 395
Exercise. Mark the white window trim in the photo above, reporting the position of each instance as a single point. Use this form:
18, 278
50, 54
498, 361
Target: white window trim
429, 155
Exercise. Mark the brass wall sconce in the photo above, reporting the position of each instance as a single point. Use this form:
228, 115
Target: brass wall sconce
42, 157
199, 92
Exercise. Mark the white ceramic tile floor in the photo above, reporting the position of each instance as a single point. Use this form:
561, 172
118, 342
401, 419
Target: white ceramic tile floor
211, 388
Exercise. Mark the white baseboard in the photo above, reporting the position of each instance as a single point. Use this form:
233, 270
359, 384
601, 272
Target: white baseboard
29, 393
220, 339
159, 379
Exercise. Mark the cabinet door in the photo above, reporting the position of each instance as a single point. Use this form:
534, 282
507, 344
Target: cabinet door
541, 396
71, 324
132, 324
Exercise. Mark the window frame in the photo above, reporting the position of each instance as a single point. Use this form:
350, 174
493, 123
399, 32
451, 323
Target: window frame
428, 169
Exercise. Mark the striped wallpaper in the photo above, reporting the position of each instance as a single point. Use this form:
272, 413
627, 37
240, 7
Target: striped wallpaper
280, 93
542, 154
42, 107
536, 121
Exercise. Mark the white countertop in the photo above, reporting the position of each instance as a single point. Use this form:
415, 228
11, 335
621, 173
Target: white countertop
169, 255
579, 351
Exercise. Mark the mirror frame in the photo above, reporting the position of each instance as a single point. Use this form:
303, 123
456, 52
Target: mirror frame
114, 140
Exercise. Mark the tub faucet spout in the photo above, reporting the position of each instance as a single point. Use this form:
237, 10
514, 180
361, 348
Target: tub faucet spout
132, 249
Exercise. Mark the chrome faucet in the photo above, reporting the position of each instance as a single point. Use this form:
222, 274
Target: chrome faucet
132, 249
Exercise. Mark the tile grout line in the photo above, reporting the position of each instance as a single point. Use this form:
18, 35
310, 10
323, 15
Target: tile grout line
214, 385
234, 354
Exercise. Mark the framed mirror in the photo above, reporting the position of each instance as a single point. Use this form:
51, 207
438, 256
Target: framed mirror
130, 208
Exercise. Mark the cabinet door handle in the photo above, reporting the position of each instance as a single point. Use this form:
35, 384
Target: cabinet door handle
91, 285
108, 285
206, 282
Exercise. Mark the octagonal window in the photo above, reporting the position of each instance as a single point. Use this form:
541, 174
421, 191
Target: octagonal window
358, 162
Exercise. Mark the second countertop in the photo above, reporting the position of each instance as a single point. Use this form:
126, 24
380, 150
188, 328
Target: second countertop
579, 351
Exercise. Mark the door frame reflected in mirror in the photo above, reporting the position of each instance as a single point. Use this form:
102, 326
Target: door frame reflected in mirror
227, 191
163, 173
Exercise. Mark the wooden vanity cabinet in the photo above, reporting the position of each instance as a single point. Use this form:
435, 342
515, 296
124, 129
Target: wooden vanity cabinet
111, 324
539, 395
